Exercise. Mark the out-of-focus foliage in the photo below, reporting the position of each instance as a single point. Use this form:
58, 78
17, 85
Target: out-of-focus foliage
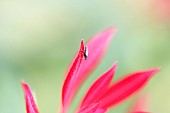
38, 39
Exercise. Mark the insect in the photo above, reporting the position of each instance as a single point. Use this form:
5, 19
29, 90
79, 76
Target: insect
86, 52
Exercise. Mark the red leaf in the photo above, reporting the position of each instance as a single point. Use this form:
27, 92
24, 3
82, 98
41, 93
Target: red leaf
71, 78
126, 87
97, 90
89, 108
96, 48
30, 103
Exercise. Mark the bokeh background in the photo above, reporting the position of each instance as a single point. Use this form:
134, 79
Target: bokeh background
38, 39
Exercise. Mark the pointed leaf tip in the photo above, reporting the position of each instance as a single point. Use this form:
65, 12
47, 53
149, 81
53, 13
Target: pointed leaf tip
69, 83
98, 88
97, 46
111, 29
125, 87
153, 71
29, 99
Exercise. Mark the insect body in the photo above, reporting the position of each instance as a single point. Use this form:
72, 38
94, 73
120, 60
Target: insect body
86, 52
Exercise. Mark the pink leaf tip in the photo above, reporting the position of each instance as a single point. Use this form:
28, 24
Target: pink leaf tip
29, 99
97, 46
125, 87
98, 88
71, 78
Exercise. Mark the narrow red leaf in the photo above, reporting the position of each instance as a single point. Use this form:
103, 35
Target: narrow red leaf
89, 108
126, 87
71, 78
96, 49
97, 90
100, 110
29, 99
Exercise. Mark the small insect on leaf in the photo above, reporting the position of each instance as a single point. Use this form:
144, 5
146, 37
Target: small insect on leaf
86, 52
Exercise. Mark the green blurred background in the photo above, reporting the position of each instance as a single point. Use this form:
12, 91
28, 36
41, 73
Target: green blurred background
38, 39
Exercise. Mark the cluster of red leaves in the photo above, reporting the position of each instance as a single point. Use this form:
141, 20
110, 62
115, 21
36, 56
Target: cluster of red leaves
102, 95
